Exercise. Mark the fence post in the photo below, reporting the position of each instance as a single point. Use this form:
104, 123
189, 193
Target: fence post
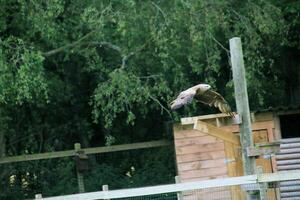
242, 105
105, 188
179, 194
38, 196
262, 186
80, 179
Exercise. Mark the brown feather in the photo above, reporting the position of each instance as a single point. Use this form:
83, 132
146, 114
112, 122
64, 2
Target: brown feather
213, 98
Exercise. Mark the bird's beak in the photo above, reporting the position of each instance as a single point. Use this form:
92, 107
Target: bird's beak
175, 105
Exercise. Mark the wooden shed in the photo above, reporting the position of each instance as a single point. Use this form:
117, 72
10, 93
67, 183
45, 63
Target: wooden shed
208, 147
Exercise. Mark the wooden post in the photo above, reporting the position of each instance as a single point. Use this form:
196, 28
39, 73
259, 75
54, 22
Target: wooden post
105, 188
242, 105
38, 196
179, 194
80, 179
263, 187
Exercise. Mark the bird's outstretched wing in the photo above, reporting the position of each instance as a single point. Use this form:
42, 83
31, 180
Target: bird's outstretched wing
213, 98
183, 98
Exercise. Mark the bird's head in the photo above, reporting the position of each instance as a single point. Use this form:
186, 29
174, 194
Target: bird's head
204, 87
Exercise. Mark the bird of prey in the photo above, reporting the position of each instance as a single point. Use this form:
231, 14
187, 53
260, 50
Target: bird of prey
204, 94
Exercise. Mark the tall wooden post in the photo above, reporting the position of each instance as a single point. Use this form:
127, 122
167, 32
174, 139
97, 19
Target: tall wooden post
242, 105
80, 179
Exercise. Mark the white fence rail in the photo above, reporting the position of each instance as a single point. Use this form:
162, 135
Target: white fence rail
180, 187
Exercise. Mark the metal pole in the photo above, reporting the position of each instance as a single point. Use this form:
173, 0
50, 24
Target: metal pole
80, 179
242, 105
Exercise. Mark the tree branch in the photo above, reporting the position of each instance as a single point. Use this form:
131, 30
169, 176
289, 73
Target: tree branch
150, 76
79, 42
160, 10
67, 46
162, 107
126, 57
104, 43
218, 42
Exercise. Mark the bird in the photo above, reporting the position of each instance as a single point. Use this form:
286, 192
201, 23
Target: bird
204, 94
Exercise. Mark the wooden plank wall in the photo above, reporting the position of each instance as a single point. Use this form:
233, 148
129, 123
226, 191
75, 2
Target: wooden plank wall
199, 156
203, 157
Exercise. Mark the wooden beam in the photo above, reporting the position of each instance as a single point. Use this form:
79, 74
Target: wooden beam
192, 120
216, 132
255, 126
242, 104
257, 151
279, 176
94, 150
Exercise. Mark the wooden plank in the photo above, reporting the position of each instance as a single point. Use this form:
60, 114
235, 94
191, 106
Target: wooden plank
207, 139
49, 155
262, 151
201, 173
192, 120
187, 134
263, 116
94, 150
234, 167
277, 129
231, 158
205, 178
197, 165
216, 132
200, 156
255, 126
210, 194
199, 148
279, 176
181, 127
260, 136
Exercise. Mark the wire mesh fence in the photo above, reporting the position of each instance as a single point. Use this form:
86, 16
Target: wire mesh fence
270, 186
58, 176
217, 193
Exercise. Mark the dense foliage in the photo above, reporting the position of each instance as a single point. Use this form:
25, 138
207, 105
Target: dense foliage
103, 73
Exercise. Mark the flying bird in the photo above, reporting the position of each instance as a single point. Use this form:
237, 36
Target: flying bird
204, 94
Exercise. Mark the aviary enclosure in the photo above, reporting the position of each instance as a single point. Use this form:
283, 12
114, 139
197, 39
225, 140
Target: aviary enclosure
208, 147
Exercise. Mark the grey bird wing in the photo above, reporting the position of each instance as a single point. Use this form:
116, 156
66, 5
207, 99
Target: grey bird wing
213, 98
182, 99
